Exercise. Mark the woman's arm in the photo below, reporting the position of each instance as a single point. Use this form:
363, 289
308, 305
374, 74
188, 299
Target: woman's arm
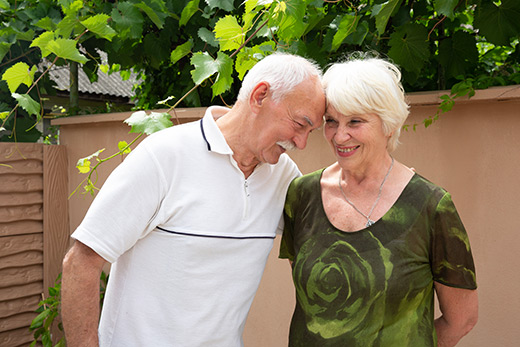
459, 309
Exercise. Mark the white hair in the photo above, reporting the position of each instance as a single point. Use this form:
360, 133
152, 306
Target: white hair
368, 85
282, 71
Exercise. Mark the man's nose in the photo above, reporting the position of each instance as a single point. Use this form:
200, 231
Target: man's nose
300, 140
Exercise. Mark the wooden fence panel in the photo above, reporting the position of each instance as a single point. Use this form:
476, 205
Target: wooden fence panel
33, 232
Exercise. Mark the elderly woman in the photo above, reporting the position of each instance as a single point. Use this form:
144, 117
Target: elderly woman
369, 240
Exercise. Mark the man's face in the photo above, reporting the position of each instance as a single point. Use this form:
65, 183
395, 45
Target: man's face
287, 124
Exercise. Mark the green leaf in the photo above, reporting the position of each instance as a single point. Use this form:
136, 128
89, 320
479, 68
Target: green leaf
83, 164
66, 49
98, 24
140, 122
4, 5
38, 321
71, 8
498, 23
347, 25
224, 79
292, 24
46, 23
27, 103
226, 5
409, 47
458, 53
229, 33
66, 26
42, 42
128, 20
207, 36
204, 67
446, 7
19, 73
4, 48
181, 51
188, 11
155, 10
387, 9
123, 147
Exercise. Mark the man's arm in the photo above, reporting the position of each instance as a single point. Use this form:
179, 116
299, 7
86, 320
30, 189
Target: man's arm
459, 309
80, 295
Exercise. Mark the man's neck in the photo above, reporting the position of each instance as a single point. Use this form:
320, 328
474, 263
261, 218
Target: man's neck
235, 129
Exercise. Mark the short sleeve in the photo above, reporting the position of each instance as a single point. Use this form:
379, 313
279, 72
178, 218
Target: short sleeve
452, 261
126, 206
287, 243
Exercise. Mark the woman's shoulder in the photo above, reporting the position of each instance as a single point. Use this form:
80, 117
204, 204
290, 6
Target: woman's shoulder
309, 178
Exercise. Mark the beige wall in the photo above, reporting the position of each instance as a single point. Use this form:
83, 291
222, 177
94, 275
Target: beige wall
473, 152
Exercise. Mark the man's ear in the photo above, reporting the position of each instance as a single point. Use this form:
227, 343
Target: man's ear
258, 95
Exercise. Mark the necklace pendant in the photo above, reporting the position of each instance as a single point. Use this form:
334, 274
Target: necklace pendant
369, 222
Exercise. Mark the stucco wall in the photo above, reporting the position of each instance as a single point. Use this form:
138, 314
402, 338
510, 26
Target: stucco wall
473, 152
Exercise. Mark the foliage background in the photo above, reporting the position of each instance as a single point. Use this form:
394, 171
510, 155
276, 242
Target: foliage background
176, 45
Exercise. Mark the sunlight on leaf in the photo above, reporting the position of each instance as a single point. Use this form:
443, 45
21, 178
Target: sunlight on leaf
28, 104
18, 74
123, 147
229, 33
83, 164
188, 11
98, 24
180, 51
140, 122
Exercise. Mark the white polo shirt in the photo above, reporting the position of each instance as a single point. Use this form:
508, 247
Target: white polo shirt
188, 237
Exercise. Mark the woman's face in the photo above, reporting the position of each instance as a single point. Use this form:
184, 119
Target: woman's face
356, 139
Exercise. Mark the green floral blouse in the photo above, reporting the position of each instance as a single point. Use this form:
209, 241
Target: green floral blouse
373, 287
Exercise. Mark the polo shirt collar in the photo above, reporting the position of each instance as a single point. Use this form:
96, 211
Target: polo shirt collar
211, 132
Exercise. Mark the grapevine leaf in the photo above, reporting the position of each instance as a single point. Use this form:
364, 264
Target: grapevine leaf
20, 73
27, 103
188, 11
140, 122
66, 49
226, 5
385, 13
66, 26
71, 8
155, 10
46, 23
207, 36
83, 164
409, 47
98, 25
204, 67
180, 51
498, 24
347, 25
4, 5
292, 24
446, 7
42, 42
4, 48
458, 53
128, 20
123, 147
225, 68
229, 33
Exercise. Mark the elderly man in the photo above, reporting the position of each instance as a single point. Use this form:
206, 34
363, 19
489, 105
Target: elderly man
188, 219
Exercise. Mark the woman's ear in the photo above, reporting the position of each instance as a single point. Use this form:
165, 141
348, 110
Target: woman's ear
258, 95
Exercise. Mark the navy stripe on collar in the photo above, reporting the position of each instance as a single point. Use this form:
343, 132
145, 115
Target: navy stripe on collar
204, 135
218, 236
